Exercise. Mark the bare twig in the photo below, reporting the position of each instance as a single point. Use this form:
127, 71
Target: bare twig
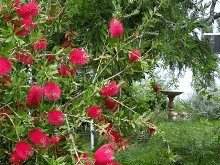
6, 137
123, 105
6, 105
71, 137
13, 125
118, 73
212, 9
70, 102
85, 120
103, 52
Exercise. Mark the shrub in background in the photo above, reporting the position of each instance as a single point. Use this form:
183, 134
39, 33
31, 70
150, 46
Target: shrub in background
200, 106
146, 98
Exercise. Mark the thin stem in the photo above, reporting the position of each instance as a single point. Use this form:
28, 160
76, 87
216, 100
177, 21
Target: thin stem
6, 105
93, 81
71, 137
103, 52
68, 103
84, 120
13, 125
13, 111
6, 137
118, 73
105, 66
123, 105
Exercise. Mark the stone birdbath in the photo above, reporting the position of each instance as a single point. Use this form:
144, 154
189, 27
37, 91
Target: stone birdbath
171, 95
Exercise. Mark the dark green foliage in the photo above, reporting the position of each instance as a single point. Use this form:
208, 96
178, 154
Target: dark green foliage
170, 30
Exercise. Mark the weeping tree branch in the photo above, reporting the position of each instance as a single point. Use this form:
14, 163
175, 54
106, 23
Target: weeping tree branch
212, 12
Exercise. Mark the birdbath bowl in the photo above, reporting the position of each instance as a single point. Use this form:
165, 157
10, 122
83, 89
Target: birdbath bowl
171, 95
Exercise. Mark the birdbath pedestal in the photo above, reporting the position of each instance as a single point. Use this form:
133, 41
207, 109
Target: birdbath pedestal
171, 95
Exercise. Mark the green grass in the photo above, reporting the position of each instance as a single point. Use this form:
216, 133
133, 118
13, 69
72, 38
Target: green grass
190, 143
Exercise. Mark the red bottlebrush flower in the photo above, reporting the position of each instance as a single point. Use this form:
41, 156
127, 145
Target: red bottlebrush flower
20, 106
151, 129
1, 8
3, 113
115, 136
134, 55
8, 17
25, 58
50, 58
52, 91
54, 140
62, 138
111, 105
39, 45
95, 112
29, 10
28, 24
5, 66
17, 5
6, 80
150, 121
156, 88
24, 149
15, 158
22, 32
110, 89
78, 57
104, 155
116, 27
56, 117
66, 71
82, 158
34, 95
39, 138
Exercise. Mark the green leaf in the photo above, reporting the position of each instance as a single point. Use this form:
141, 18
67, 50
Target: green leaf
9, 39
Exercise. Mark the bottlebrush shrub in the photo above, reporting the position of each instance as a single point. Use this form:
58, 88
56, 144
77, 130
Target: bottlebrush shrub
24, 149
116, 28
104, 155
54, 140
52, 91
50, 57
29, 10
66, 71
55, 117
5, 81
78, 57
15, 158
134, 55
40, 45
34, 96
5, 66
22, 32
110, 89
49, 100
83, 158
38, 138
24, 57
156, 88
111, 105
28, 24
95, 112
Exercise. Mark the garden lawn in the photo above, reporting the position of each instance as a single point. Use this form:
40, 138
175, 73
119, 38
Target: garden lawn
190, 143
